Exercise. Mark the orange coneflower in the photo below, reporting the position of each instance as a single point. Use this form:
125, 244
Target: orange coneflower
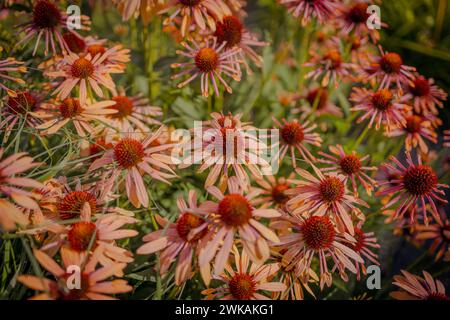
425, 95
350, 166
306, 9
93, 282
273, 191
6, 67
137, 157
247, 282
179, 242
210, 61
414, 184
418, 288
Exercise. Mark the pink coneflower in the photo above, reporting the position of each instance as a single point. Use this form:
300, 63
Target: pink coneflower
273, 191
247, 282
439, 233
319, 103
295, 136
234, 214
202, 14
381, 107
231, 31
330, 67
47, 21
13, 187
6, 67
324, 194
179, 242
350, 166
84, 72
365, 243
133, 113
114, 57
418, 288
71, 111
316, 235
416, 184
389, 68
209, 61
135, 157
307, 9
425, 95
93, 286
416, 130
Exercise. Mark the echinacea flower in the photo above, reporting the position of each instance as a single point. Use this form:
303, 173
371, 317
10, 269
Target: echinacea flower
6, 67
202, 14
417, 130
272, 191
235, 215
85, 73
380, 107
209, 61
307, 9
317, 236
71, 111
179, 242
13, 187
135, 158
246, 282
365, 243
439, 234
323, 195
47, 22
416, 185
350, 166
295, 136
93, 281
425, 95
417, 288
231, 31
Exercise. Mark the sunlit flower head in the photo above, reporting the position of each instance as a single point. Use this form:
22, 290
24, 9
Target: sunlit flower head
295, 135
350, 166
307, 9
382, 107
136, 158
416, 184
232, 218
425, 95
246, 281
15, 187
209, 61
413, 287
94, 284
48, 22
8, 66
317, 236
179, 242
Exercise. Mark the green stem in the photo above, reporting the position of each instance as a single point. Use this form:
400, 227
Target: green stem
360, 138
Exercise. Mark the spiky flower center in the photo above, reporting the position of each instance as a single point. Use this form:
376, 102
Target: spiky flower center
207, 60
187, 222
360, 238
420, 180
124, 107
71, 205
413, 124
318, 232
350, 164
96, 49
334, 58
75, 43
317, 97
46, 14
391, 62
382, 99
331, 189
235, 210
421, 87
22, 103
70, 108
279, 195
190, 3
292, 133
358, 13
82, 68
242, 286
229, 30
81, 234
129, 152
